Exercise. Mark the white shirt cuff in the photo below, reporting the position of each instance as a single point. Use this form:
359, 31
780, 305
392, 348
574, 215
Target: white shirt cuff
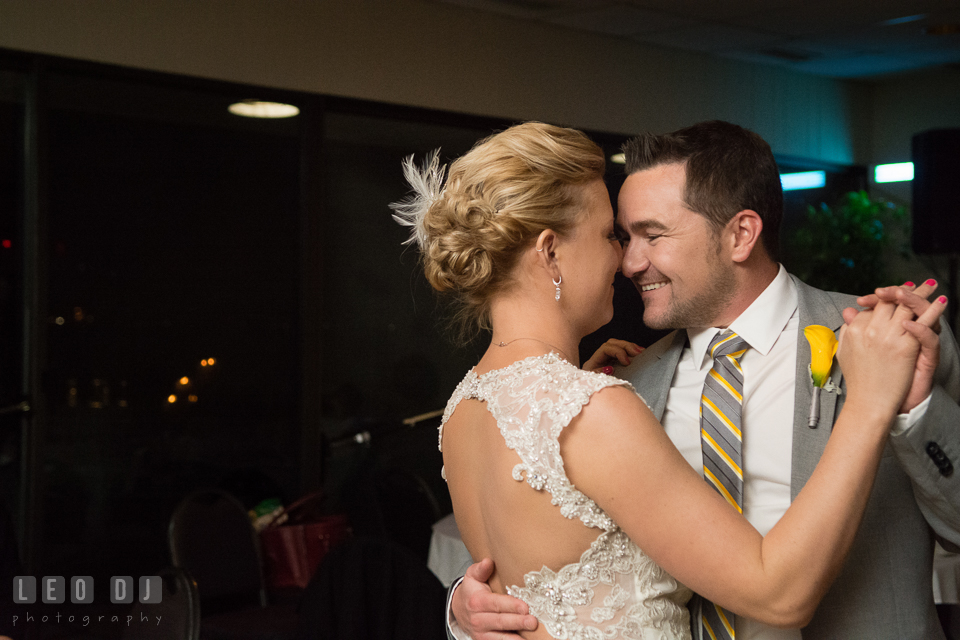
906, 420
452, 625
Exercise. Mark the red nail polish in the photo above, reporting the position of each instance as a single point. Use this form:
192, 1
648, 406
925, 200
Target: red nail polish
930, 282
908, 284
942, 299
608, 370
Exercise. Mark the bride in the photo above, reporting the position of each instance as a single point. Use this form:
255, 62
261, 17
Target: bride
563, 476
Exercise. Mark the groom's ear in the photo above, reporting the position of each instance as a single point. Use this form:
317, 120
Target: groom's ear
745, 229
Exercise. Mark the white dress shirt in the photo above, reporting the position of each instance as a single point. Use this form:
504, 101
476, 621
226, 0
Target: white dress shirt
770, 326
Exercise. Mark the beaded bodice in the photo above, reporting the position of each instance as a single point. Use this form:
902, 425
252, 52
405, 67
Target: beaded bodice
615, 590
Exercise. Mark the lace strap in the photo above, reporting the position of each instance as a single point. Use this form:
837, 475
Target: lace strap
466, 389
532, 405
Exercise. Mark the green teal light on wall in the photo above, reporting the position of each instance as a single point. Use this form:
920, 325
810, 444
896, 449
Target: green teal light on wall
896, 172
803, 180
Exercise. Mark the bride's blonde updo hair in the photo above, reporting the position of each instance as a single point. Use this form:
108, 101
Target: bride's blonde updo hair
497, 200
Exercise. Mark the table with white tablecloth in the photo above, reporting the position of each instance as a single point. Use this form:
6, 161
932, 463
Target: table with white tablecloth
448, 558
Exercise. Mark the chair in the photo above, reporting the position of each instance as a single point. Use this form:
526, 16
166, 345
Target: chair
408, 508
178, 611
9, 566
372, 589
210, 536
394, 503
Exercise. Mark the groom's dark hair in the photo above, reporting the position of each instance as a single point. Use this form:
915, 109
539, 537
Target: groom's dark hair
728, 169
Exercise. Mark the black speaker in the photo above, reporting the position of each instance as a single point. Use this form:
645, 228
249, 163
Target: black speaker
936, 191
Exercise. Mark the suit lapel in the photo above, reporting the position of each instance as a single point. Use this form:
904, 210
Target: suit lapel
651, 373
816, 307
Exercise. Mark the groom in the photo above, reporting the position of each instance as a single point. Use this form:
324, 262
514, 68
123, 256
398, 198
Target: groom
681, 189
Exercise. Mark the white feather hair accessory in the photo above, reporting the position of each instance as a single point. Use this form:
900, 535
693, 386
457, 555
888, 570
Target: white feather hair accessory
427, 184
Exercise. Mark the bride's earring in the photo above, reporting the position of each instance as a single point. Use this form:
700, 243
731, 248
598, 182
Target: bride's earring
556, 283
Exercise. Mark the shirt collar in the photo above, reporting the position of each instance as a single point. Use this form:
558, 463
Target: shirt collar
760, 324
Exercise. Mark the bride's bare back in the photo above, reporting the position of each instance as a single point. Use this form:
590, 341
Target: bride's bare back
554, 547
499, 517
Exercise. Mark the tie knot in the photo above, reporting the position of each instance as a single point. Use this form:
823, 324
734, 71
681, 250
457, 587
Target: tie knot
727, 343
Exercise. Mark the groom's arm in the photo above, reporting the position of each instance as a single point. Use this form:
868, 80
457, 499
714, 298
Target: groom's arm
929, 450
454, 632
475, 611
927, 440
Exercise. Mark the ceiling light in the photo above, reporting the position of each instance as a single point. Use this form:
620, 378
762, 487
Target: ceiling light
803, 180
259, 109
618, 158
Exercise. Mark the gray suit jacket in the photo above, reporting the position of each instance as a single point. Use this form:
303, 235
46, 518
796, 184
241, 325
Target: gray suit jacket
885, 589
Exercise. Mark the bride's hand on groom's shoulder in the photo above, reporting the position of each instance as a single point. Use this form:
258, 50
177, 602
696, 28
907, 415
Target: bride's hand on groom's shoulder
610, 353
486, 615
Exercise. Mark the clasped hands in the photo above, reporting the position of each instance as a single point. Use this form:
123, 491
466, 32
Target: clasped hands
918, 317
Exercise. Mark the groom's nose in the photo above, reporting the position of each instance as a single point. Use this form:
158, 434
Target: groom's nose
634, 261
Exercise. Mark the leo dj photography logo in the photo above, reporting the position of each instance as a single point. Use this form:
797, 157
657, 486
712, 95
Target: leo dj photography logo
53, 590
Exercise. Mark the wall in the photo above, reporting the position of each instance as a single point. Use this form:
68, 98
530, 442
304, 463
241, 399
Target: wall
902, 107
907, 105
910, 104
430, 54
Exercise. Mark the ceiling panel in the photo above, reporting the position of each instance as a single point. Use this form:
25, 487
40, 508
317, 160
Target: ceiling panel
621, 19
716, 11
837, 38
713, 38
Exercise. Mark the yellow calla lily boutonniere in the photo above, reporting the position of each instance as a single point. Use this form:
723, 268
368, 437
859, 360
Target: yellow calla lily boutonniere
823, 346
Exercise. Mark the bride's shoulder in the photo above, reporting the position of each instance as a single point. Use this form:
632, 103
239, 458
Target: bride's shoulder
614, 407
614, 397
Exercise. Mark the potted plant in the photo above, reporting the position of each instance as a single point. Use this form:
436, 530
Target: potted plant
853, 246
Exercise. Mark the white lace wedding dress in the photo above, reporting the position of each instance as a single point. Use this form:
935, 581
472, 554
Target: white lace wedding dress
616, 590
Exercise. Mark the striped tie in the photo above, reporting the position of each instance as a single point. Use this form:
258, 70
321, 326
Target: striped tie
720, 440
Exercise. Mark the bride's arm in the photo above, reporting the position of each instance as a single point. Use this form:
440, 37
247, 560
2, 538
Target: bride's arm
618, 454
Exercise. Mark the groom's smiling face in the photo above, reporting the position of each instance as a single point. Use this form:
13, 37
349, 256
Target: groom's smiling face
672, 254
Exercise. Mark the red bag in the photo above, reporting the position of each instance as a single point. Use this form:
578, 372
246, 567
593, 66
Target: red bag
292, 550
